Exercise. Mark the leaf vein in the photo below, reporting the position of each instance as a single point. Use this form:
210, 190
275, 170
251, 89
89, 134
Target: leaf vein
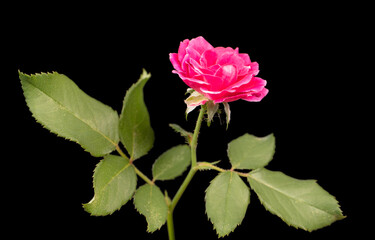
62, 107
288, 196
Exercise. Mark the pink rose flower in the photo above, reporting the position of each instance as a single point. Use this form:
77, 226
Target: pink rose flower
219, 74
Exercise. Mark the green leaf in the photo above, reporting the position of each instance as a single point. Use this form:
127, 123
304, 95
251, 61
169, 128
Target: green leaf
172, 163
250, 152
135, 129
227, 199
60, 106
150, 202
187, 135
114, 184
300, 203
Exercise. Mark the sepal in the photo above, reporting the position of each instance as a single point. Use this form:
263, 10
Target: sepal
194, 100
211, 111
227, 112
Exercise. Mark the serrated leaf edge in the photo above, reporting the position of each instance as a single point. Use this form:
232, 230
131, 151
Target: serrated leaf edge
62, 107
260, 138
178, 129
143, 79
93, 199
205, 199
272, 211
187, 166
148, 225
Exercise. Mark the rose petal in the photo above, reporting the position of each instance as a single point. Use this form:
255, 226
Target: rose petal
199, 69
182, 49
191, 82
222, 50
243, 81
175, 62
230, 89
193, 53
255, 85
228, 74
256, 97
251, 69
200, 44
214, 83
230, 98
245, 57
231, 58
196, 66
209, 58
254, 68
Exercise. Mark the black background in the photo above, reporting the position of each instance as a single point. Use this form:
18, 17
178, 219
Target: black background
305, 52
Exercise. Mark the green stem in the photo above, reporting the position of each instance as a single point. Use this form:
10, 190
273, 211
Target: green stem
141, 175
170, 225
137, 171
207, 166
189, 177
122, 154
182, 188
194, 141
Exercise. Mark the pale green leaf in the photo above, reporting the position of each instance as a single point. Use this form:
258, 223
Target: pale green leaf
60, 106
114, 184
227, 199
300, 203
172, 163
135, 129
250, 152
150, 202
